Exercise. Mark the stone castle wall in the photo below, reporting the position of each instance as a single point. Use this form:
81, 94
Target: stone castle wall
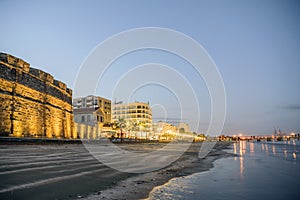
32, 102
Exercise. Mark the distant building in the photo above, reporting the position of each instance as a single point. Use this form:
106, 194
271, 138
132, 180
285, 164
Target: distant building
200, 137
183, 127
92, 109
164, 131
137, 111
163, 127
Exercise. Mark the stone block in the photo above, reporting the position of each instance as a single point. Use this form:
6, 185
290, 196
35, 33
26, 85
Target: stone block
69, 91
41, 75
14, 61
60, 84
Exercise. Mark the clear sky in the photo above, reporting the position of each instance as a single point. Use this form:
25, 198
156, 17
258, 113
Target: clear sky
254, 44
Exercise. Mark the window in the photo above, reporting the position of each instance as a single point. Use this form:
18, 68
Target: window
88, 118
82, 118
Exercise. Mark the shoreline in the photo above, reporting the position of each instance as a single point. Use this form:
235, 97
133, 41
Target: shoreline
140, 186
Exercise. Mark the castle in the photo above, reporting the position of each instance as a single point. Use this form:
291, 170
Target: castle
32, 102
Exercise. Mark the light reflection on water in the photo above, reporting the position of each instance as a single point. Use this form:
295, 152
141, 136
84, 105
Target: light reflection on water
252, 149
285, 149
260, 170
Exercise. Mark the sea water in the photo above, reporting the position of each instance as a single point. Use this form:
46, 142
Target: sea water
262, 170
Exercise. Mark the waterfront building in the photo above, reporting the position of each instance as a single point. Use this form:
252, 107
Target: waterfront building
89, 116
91, 110
183, 127
200, 137
164, 131
134, 112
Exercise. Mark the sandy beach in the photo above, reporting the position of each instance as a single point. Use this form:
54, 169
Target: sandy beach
139, 186
68, 171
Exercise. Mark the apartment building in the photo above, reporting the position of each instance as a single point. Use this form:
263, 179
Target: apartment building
137, 111
92, 109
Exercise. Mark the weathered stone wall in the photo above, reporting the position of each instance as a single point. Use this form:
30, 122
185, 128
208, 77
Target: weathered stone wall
32, 102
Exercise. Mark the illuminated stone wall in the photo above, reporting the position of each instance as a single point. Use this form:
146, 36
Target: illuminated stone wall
32, 102
85, 131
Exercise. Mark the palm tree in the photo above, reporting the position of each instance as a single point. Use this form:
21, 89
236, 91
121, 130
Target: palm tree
145, 127
135, 127
120, 124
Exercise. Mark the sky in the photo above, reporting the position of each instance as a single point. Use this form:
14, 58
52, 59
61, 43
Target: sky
255, 46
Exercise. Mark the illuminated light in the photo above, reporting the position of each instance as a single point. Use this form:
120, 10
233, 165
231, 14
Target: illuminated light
293, 134
294, 155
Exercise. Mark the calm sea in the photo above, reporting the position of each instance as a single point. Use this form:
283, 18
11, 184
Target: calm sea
261, 171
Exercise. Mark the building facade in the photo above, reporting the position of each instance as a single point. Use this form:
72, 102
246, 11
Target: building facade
137, 111
163, 127
183, 127
92, 109
89, 116
32, 102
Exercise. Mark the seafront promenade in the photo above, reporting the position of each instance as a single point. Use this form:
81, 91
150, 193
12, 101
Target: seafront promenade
29, 140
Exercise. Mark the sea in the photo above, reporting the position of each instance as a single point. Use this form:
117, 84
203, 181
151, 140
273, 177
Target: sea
261, 170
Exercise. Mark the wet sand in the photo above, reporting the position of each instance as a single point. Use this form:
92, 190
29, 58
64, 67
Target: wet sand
139, 187
68, 171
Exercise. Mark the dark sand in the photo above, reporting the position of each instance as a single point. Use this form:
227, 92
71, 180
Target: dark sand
68, 171
139, 186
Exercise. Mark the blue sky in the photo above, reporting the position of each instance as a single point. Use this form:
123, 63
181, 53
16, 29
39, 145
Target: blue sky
255, 45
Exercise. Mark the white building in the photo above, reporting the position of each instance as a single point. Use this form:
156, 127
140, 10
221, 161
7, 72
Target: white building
137, 111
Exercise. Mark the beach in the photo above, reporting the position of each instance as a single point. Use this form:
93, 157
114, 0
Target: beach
139, 187
68, 171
